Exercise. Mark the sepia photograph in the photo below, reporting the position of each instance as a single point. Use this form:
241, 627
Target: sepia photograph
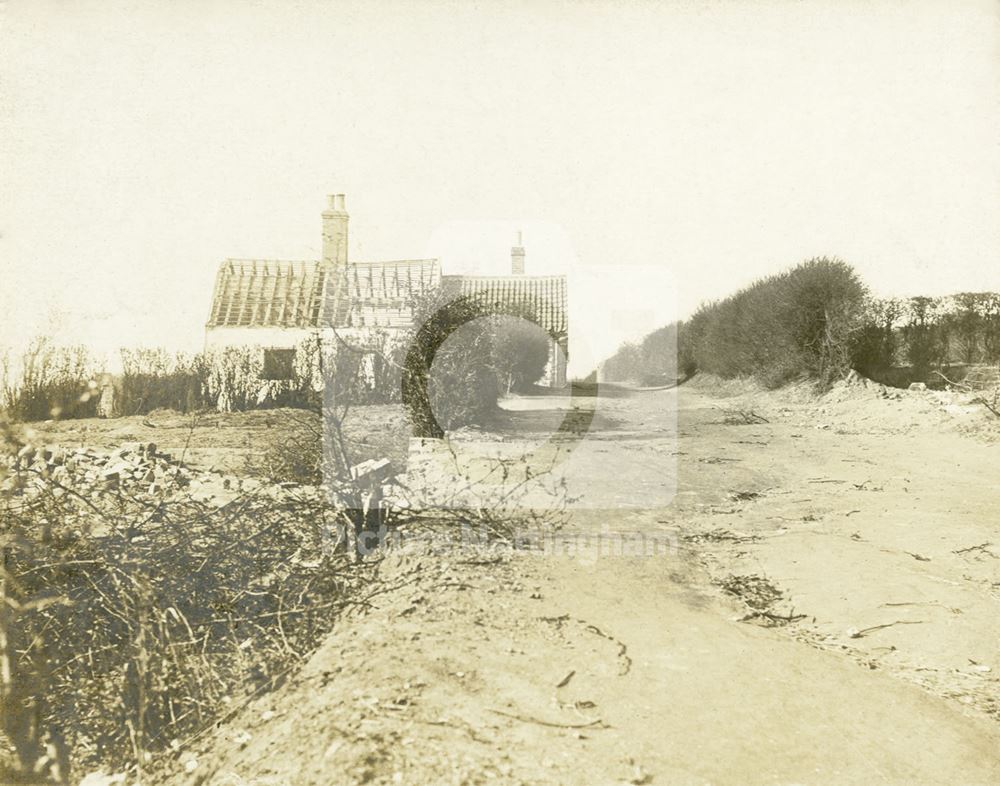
530, 393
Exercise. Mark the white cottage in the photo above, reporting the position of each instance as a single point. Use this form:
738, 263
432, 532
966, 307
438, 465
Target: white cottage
277, 304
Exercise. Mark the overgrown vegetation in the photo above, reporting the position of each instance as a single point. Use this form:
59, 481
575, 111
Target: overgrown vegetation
796, 324
136, 611
49, 382
520, 353
463, 355
132, 617
818, 321
493, 354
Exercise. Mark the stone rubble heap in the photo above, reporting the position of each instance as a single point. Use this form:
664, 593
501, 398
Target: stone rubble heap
134, 469
137, 470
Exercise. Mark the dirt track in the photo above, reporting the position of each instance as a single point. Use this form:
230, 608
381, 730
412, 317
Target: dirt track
544, 669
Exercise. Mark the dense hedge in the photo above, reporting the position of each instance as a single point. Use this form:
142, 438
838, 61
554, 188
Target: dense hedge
795, 324
818, 321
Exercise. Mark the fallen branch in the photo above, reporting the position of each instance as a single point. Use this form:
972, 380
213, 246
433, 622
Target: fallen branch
772, 617
742, 417
528, 719
857, 634
565, 680
992, 405
952, 609
953, 383
980, 547
719, 535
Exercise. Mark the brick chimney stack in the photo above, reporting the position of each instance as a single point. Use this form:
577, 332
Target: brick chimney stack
334, 258
517, 258
335, 231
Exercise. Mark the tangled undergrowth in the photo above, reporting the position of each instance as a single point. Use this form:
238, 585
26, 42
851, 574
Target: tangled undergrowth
143, 601
132, 619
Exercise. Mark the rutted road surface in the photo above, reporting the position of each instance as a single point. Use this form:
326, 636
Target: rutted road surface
855, 526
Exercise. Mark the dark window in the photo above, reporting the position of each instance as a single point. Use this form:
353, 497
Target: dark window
278, 364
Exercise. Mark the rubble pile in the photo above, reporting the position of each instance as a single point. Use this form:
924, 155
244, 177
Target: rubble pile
137, 471
134, 469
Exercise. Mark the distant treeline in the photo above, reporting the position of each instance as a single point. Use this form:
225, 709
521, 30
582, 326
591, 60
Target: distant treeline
817, 321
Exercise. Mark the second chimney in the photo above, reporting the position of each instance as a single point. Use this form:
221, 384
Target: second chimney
517, 258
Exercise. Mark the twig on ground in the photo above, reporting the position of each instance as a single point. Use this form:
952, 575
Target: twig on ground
953, 383
993, 405
719, 535
984, 547
952, 609
528, 719
857, 634
773, 617
742, 417
565, 680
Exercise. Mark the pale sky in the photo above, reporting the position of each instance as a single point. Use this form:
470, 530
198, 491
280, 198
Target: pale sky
660, 154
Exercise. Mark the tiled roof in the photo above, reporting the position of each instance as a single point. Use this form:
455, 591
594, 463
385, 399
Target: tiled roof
273, 293
267, 293
544, 295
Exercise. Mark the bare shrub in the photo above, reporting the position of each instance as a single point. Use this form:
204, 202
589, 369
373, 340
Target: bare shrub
991, 401
48, 381
298, 456
156, 379
141, 617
